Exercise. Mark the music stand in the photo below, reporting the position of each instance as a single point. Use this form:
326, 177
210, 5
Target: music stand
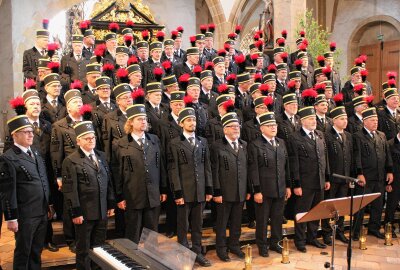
333, 208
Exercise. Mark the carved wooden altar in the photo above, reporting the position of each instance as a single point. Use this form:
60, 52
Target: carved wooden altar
107, 11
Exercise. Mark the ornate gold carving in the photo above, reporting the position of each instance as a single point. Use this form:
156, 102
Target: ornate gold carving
121, 11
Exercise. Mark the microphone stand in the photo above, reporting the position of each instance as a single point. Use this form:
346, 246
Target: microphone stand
351, 182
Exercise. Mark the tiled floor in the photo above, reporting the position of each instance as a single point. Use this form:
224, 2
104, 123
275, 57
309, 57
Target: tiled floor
377, 256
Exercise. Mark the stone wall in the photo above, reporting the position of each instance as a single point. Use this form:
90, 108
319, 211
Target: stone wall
351, 16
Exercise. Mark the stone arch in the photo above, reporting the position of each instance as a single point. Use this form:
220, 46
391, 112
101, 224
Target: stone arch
219, 19
356, 35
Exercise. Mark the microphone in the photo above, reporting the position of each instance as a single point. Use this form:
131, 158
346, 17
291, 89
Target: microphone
346, 178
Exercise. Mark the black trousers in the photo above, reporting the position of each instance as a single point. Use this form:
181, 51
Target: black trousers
194, 212
392, 202
68, 225
119, 222
29, 242
232, 212
136, 219
270, 208
375, 215
88, 234
170, 212
310, 198
49, 232
250, 209
337, 190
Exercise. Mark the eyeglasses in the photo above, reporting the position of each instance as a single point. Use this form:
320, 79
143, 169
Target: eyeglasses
234, 126
26, 132
88, 139
124, 98
55, 86
104, 89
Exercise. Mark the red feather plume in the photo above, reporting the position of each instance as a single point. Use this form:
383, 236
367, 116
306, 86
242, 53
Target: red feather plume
332, 46
132, 60
129, 23
391, 83
391, 75
122, 72
302, 33
76, 84
86, 111
188, 100
239, 59
145, 35
231, 78
174, 34
238, 29
257, 77
180, 29
229, 105
264, 89
358, 88
108, 67
113, 27
222, 88
281, 42
30, 84
211, 27
203, 28
16, 102
271, 68
284, 33
160, 36
209, 65
291, 84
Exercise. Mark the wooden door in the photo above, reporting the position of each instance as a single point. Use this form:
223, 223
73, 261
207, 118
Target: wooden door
381, 59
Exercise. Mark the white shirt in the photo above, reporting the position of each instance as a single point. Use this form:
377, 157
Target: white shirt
88, 153
175, 117
359, 116
189, 135
371, 133
391, 111
73, 119
231, 143
269, 139
33, 121
50, 99
136, 137
308, 132
154, 105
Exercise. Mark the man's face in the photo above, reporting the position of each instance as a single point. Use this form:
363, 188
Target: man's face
104, 92
328, 93
74, 106
189, 124
256, 94
305, 62
156, 54
340, 122
261, 109
194, 92
42, 42
200, 44
278, 58
209, 42
272, 85
87, 142
297, 83
269, 130
232, 130
33, 108
77, 48
135, 79
260, 63
356, 78
193, 59
111, 45
207, 83
155, 97
91, 79
309, 123
169, 51
176, 107
143, 53
321, 108
371, 123
24, 137
321, 78
139, 123
177, 43
53, 89
393, 102
329, 62
282, 74
171, 88
121, 59
89, 40
220, 69
291, 108
124, 101
42, 72
360, 108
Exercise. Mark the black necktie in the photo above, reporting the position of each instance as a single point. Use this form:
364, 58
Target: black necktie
340, 135
235, 147
106, 105
157, 110
291, 120
54, 103
30, 154
323, 121
373, 134
91, 156
36, 127
191, 141
312, 136
141, 142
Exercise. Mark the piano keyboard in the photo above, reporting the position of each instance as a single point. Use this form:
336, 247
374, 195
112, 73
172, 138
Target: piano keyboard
116, 259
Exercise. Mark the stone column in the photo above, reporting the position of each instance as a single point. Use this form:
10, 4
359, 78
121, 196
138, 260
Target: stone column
286, 16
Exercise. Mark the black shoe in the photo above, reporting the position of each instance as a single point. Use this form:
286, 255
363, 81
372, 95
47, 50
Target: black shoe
237, 252
302, 249
355, 237
341, 237
170, 234
276, 248
316, 243
223, 256
200, 259
51, 247
377, 234
327, 240
263, 251
72, 247
251, 225
284, 221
